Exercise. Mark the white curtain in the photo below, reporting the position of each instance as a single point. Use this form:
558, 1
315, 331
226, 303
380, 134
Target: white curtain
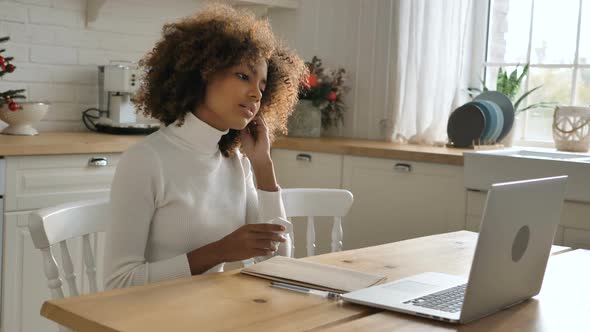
429, 50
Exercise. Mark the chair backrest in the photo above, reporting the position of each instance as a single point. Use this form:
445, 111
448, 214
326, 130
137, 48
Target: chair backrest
55, 225
316, 202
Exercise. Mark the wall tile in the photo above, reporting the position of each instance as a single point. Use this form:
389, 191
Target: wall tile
57, 51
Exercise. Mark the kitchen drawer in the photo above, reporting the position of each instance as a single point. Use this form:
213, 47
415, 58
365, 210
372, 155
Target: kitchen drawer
472, 222
476, 201
303, 169
40, 181
576, 238
576, 215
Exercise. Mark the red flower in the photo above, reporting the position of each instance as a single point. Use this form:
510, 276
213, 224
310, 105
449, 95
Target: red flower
13, 106
10, 68
313, 80
310, 81
332, 96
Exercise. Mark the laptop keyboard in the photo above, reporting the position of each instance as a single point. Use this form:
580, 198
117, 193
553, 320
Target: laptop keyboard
448, 300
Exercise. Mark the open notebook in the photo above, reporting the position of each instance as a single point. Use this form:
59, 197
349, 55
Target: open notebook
312, 275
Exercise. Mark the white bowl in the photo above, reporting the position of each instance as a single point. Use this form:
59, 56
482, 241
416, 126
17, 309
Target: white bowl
20, 122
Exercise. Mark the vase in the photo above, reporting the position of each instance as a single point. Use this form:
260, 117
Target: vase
305, 121
20, 121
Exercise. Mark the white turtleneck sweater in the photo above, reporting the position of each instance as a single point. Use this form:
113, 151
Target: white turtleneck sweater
174, 192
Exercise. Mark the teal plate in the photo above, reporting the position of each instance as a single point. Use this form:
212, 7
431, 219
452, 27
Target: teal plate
505, 105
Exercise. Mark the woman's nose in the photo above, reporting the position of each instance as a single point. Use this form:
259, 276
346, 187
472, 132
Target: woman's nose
255, 94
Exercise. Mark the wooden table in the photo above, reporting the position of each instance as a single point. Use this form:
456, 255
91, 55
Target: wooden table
231, 301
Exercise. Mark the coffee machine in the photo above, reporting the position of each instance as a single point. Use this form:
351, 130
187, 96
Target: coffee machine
117, 115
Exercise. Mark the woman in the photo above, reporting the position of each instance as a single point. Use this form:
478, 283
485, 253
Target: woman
184, 199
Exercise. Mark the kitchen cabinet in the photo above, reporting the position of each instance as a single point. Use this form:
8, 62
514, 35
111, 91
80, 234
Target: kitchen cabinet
397, 200
574, 226
34, 182
393, 199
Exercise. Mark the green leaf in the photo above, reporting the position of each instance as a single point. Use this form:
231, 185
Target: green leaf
513, 75
537, 105
501, 81
485, 88
524, 95
525, 71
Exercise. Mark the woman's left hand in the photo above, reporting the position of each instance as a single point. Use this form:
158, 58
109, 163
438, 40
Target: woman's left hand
255, 140
256, 146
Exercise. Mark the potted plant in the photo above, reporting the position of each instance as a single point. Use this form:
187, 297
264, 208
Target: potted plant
320, 101
510, 86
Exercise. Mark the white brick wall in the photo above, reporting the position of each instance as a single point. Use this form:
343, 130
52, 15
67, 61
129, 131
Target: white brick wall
57, 47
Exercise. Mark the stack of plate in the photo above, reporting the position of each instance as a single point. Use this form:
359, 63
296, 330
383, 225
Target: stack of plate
485, 120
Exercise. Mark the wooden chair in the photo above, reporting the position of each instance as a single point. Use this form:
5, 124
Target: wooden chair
315, 202
55, 225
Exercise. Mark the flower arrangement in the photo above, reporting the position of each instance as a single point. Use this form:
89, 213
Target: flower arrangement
8, 97
326, 90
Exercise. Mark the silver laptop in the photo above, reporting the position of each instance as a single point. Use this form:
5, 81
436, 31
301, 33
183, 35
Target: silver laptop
515, 237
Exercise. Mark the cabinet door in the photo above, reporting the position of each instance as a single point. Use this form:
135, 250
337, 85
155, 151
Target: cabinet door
474, 209
35, 182
397, 200
575, 219
303, 169
576, 238
24, 285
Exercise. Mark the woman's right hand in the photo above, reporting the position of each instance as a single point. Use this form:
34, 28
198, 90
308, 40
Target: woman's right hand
251, 240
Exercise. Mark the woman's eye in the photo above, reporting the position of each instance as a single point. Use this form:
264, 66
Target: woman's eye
243, 76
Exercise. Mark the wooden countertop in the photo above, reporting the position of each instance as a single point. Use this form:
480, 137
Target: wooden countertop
376, 149
50, 143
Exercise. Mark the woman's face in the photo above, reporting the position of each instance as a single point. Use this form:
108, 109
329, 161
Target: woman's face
232, 96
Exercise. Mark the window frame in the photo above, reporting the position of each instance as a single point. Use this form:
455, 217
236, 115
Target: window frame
520, 136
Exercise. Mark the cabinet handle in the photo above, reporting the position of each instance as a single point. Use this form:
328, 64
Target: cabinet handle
304, 157
403, 168
98, 162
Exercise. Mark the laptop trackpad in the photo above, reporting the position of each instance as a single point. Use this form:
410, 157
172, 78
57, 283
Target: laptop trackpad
408, 286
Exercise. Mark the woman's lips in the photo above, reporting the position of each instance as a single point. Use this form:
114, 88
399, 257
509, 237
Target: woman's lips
247, 110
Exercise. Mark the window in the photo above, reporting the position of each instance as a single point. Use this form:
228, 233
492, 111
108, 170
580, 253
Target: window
546, 34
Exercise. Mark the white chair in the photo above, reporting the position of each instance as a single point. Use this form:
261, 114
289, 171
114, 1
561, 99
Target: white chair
315, 202
54, 225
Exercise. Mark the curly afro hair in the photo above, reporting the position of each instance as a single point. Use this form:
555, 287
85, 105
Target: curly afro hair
191, 50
